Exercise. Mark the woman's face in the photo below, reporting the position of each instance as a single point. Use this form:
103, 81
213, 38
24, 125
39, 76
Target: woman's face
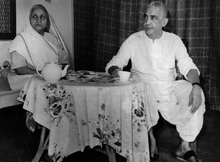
38, 20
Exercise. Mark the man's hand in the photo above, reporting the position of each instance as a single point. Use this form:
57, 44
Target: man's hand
195, 98
115, 72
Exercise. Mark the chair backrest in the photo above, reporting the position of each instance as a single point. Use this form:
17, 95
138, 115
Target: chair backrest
179, 76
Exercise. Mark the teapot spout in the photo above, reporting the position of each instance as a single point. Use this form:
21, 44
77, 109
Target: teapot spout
65, 70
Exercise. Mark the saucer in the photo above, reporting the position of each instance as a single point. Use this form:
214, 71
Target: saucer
73, 75
118, 81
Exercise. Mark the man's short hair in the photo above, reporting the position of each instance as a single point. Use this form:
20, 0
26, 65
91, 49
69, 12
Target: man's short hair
160, 5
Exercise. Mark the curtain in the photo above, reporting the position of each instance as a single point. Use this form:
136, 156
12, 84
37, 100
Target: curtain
197, 21
100, 27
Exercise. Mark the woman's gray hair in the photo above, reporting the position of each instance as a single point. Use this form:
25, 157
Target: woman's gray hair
47, 28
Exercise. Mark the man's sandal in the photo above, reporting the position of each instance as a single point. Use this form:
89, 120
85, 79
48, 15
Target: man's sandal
186, 157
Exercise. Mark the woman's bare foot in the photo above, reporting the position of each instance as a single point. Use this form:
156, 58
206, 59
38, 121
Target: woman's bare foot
154, 153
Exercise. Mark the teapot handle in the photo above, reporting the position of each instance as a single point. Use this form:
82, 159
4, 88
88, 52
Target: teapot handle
37, 70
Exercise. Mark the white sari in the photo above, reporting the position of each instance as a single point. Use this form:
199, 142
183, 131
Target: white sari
36, 50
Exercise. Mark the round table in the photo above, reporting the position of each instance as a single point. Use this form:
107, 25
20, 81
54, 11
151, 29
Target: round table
90, 111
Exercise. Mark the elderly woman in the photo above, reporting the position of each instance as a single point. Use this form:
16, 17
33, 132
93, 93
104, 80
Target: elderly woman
37, 44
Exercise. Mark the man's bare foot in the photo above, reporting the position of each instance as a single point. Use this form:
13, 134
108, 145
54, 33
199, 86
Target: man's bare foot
185, 153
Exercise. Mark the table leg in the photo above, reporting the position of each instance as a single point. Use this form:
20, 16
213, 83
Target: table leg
42, 145
111, 153
193, 146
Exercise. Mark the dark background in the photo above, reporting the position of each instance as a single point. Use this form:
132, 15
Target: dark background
100, 27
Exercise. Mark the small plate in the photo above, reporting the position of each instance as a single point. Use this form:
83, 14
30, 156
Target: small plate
118, 81
86, 72
70, 77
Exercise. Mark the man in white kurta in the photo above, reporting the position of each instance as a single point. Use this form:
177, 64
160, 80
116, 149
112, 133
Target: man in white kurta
153, 53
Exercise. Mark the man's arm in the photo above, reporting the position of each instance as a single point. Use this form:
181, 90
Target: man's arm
193, 76
120, 60
195, 98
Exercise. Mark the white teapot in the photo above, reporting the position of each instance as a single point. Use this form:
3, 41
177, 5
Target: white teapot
52, 71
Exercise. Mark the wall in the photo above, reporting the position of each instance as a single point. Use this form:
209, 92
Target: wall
62, 14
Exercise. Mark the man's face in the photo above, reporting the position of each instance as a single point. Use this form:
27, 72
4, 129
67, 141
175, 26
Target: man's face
154, 22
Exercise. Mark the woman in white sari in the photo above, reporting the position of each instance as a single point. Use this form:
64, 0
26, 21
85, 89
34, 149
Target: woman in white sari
37, 44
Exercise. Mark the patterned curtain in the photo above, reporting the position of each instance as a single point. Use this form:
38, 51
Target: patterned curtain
101, 26
197, 21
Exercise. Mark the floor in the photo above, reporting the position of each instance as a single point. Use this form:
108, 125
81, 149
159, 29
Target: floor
17, 144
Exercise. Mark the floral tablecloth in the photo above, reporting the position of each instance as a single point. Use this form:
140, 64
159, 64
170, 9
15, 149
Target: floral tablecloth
89, 112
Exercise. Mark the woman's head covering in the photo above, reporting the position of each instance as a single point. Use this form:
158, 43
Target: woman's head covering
50, 27
35, 42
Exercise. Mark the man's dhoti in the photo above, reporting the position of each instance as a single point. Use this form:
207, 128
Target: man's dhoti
174, 108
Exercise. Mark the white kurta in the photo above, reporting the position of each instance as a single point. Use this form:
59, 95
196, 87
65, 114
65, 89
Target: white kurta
154, 62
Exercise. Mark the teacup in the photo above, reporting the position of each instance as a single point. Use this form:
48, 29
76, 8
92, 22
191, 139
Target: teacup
124, 76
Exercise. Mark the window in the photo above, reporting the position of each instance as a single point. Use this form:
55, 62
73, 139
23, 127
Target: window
7, 19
